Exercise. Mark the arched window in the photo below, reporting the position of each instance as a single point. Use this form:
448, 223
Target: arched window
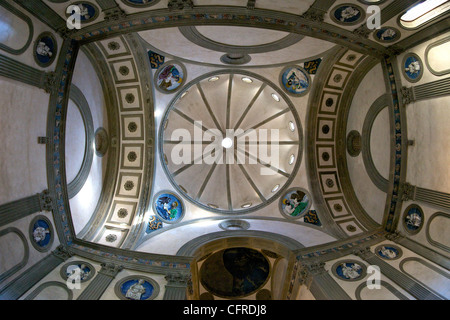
423, 12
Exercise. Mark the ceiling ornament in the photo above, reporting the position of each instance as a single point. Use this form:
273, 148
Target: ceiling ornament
295, 203
45, 49
413, 219
295, 81
349, 270
41, 233
170, 77
169, 207
387, 34
348, 14
412, 67
140, 3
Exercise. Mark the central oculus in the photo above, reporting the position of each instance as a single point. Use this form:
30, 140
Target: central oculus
227, 143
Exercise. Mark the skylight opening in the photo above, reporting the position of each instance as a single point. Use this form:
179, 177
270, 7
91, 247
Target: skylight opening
276, 97
291, 126
424, 12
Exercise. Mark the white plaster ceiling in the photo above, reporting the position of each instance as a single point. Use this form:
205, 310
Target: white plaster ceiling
170, 41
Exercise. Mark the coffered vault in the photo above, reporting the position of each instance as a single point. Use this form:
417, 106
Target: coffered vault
195, 150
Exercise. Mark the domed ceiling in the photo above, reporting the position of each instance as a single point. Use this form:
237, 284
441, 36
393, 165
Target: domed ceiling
231, 142
169, 82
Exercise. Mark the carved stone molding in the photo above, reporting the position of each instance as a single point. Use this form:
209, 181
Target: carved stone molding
393, 236
363, 31
393, 51
363, 253
43, 140
316, 268
178, 279
407, 95
45, 201
49, 82
180, 4
251, 4
62, 253
408, 192
110, 269
114, 14
314, 14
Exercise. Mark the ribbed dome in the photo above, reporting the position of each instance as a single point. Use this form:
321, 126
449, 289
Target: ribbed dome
241, 142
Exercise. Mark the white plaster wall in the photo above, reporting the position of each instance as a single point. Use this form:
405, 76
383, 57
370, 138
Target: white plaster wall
421, 236
84, 203
22, 160
55, 275
39, 27
420, 51
428, 159
371, 198
13, 250
305, 235
75, 141
380, 143
350, 286
427, 125
424, 275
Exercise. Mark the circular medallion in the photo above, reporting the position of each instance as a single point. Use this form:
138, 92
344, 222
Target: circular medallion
348, 14
101, 142
88, 11
412, 67
295, 203
45, 49
349, 270
295, 81
41, 233
234, 272
140, 3
413, 219
77, 271
387, 34
169, 207
354, 143
137, 288
170, 77
388, 252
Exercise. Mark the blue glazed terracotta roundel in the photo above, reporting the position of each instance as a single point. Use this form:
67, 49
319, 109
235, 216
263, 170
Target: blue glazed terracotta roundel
412, 67
169, 207
137, 289
295, 80
41, 232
